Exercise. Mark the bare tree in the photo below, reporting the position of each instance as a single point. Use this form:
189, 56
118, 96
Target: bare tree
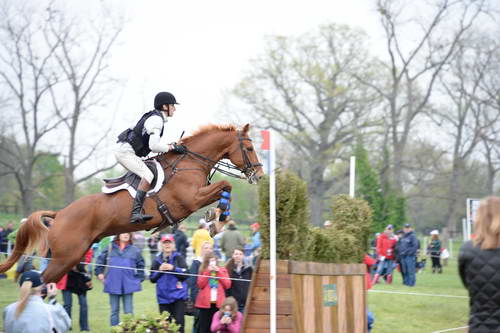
26, 75
490, 92
464, 114
418, 48
83, 55
305, 89
491, 146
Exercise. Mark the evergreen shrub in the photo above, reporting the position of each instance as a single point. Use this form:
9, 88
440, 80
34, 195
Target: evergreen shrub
297, 239
292, 216
352, 216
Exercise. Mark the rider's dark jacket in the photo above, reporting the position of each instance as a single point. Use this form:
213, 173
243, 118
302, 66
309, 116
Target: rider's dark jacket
480, 273
137, 137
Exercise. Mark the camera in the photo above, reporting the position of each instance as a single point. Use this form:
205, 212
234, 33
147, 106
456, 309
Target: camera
44, 291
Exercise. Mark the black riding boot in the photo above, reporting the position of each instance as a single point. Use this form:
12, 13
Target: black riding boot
137, 216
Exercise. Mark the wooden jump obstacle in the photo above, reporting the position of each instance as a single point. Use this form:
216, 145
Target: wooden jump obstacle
311, 297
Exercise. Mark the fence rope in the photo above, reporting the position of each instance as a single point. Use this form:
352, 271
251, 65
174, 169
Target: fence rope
452, 329
415, 294
143, 269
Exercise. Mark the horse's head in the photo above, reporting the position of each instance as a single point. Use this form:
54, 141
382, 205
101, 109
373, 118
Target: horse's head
242, 154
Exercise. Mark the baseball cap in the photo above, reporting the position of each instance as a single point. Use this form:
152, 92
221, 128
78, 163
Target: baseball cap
33, 276
255, 225
167, 238
434, 232
389, 227
407, 225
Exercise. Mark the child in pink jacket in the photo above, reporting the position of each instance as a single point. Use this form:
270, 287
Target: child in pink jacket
227, 319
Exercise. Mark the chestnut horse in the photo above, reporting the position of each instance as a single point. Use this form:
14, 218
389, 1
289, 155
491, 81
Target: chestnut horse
95, 216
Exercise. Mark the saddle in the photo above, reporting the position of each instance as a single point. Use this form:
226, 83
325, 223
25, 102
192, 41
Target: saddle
130, 181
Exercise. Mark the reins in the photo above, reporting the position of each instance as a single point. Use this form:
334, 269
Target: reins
248, 170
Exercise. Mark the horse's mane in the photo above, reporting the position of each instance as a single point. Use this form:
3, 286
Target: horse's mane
202, 130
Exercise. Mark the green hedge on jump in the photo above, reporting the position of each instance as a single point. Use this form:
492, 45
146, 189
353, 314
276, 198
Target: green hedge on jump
345, 242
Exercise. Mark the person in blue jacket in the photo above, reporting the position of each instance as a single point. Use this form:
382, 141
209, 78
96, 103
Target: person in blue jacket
171, 288
121, 283
408, 255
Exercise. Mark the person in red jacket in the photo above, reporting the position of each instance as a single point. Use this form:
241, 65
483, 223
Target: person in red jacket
385, 254
213, 283
369, 262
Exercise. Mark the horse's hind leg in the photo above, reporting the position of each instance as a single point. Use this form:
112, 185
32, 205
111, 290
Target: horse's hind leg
63, 259
56, 269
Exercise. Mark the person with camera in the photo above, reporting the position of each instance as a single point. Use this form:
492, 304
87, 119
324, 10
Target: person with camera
30, 313
171, 288
213, 283
228, 319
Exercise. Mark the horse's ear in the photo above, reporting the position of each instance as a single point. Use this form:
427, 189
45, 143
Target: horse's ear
246, 128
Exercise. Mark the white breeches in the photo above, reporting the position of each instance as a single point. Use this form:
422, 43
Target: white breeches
126, 156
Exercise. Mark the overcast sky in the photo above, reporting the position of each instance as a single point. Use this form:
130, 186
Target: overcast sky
199, 49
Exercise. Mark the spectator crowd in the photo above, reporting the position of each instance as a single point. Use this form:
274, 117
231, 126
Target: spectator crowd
191, 276
401, 251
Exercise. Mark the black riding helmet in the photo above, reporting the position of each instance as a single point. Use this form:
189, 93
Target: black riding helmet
163, 98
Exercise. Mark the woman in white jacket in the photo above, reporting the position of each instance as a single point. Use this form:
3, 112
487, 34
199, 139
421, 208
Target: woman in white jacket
30, 313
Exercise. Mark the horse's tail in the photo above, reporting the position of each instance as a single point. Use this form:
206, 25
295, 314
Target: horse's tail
31, 235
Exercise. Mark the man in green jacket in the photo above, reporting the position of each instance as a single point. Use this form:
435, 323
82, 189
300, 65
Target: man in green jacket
231, 239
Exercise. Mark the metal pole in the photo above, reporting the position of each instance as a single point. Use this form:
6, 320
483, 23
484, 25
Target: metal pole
464, 229
352, 177
272, 232
450, 246
467, 217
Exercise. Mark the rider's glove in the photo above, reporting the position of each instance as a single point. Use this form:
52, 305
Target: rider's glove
179, 149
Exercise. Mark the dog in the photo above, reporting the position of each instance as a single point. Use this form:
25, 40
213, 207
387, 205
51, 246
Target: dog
420, 265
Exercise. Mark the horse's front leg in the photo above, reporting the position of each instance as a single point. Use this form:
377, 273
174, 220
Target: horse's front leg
209, 194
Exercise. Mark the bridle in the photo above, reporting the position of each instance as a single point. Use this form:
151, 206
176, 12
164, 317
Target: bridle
249, 169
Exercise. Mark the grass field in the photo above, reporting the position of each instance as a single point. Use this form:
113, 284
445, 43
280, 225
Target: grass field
394, 313
415, 314
99, 309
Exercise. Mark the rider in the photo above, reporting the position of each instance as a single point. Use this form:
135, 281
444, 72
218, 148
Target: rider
139, 141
